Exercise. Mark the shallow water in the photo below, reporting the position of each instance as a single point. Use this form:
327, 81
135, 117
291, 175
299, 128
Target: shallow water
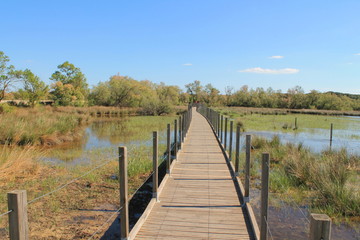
291, 221
317, 140
103, 137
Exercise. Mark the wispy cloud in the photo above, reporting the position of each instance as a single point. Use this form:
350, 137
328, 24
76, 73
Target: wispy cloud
270, 71
276, 57
357, 54
187, 64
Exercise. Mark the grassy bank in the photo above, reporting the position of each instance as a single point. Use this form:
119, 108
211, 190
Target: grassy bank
39, 126
327, 182
269, 120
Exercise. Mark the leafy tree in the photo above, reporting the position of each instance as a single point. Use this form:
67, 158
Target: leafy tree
297, 98
195, 90
34, 88
67, 95
8, 75
211, 97
168, 94
229, 93
124, 91
69, 80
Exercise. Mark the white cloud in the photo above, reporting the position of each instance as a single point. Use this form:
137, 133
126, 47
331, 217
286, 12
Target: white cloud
187, 64
270, 71
276, 57
357, 54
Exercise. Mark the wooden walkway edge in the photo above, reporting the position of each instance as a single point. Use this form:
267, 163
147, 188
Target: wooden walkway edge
202, 197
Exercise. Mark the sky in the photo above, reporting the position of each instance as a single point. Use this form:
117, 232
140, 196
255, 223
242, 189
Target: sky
263, 43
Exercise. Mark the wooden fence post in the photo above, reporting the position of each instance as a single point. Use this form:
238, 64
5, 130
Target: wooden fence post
231, 140
237, 151
183, 128
296, 124
175, 138
168, 162
123, 179
218, 125
320, 227
264, 196
222, 129
225, 140
247, 168
18, 220
180, 132
331, 135
155, 165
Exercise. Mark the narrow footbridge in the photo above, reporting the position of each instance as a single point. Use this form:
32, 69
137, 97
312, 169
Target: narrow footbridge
200, 198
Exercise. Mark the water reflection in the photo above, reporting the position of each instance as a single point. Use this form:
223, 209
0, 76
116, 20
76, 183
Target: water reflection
108, 134
317, 140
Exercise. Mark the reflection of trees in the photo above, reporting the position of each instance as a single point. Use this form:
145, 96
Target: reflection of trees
68, 152
129, 129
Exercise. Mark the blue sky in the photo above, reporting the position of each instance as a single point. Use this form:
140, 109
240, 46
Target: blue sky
263, 43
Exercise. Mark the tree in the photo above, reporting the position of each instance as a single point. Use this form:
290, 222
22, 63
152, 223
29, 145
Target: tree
195, 90
8, 75
124, 91
34, 88
229, 93
69, 80
168, 94
211, 95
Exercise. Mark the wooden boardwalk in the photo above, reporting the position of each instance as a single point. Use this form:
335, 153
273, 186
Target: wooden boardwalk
199, 199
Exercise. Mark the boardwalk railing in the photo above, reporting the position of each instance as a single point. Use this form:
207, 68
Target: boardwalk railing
18, 203
320, 224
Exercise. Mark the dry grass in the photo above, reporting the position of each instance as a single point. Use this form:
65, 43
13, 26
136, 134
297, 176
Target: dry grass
18, 163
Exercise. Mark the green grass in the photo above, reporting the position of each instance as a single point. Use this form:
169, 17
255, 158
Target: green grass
330, 179
315, 124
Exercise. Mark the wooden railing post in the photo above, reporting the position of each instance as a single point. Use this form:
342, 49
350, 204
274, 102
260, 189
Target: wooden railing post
183, 128
168, 162
225, 140
180, 132
231, 140
218, 126
320, 227
155, 165
264, 195
123, 179
331, 135
247, 168
175, 138
222, 129
18, 220
237, 151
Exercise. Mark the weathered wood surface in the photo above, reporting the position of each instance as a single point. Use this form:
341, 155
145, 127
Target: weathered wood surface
199, 200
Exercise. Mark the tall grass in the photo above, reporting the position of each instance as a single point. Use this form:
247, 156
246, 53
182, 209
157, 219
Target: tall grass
41, 126
327, 177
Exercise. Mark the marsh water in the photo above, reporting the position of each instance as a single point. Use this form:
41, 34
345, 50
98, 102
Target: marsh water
286, 221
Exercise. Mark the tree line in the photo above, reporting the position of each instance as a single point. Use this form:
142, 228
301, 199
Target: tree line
69, 88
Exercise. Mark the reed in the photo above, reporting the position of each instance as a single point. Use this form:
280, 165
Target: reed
331, 178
